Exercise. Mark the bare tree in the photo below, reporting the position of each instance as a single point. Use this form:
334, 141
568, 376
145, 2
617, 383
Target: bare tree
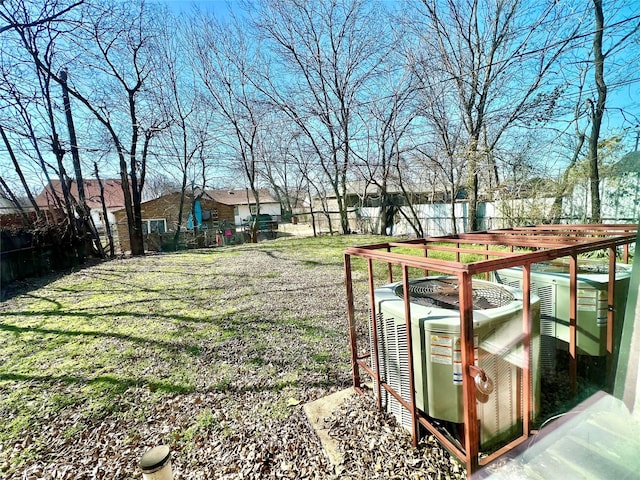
388, 120
113, 51
107, 225
29, 95
125, 52
18, 169
498, 55
280, 154
444, 151
605, 47
324, 54
83, 210
577, 143
224, 62
51, 12
597, 106
188, 128
8, 192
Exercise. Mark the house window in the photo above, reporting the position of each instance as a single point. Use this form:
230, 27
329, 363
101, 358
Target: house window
156, 225
253, 209
236, 212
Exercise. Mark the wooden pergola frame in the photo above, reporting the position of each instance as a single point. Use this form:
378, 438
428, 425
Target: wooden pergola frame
514, 247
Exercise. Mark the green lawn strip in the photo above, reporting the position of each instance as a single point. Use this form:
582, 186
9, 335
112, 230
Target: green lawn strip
167, 325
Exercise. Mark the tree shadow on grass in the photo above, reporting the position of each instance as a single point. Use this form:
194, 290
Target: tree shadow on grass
9, 290
120, 385
212, 319
189, 347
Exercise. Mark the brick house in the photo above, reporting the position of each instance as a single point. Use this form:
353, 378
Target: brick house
160, 220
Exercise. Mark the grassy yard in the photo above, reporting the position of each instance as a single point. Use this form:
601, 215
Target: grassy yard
212, 352
209, 351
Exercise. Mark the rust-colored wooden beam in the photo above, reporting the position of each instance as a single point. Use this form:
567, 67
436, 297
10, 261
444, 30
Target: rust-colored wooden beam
611, 299
573, 314
351, 321
412, 389
374, 334
471, 428
527, 320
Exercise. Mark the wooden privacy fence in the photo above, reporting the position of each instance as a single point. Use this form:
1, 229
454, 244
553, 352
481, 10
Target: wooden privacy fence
20, 258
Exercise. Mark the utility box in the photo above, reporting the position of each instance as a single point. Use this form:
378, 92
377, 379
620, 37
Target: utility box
436, 352
550, 281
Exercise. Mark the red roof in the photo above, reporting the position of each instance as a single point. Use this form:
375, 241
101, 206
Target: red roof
113, 195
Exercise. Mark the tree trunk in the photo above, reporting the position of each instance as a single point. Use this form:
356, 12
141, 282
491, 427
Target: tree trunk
183, 189
556, 208
105, 214
597, 114
384, 212
472, 188
253, 217
19, 172
454, 226
84, 212
25, 217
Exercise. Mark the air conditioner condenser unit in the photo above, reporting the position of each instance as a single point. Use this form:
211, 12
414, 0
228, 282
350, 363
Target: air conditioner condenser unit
551, 282
436, 352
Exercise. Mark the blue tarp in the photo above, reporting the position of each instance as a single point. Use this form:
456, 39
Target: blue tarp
198, 211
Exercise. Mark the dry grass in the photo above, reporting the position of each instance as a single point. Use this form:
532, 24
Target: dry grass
210, 351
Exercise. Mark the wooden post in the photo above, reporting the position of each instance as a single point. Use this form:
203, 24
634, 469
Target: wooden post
374, 335
611, 292
351, 321
412, 388
471, 428
573, 312
526, 347
611, 318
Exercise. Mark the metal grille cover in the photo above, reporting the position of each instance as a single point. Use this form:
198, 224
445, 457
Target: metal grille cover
444, 293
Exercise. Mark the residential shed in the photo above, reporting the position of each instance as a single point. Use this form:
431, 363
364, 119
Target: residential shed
244, 203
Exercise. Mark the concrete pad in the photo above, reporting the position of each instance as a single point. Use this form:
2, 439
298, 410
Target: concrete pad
323, 407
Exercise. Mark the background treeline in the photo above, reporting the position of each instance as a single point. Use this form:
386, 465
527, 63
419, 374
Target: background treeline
462, 98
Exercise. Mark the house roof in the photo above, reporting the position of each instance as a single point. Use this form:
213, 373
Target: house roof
113, 194
7, 206
627, 164
239, 197
174, 198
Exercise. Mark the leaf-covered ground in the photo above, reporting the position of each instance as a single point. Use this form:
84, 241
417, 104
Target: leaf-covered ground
211, 352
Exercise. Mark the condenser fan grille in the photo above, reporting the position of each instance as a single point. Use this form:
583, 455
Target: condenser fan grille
444, 293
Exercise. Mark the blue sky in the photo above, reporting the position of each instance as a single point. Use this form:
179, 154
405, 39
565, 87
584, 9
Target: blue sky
178, 6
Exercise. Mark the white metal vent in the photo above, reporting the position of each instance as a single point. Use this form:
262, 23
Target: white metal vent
394, 365
498, 416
